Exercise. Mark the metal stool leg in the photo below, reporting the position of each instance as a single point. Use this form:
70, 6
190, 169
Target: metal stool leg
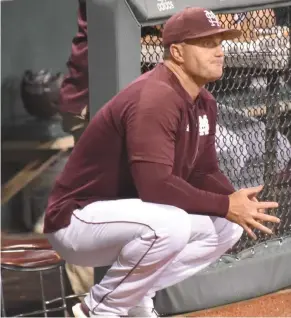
58, 305
3, 311
43, 301
63, 294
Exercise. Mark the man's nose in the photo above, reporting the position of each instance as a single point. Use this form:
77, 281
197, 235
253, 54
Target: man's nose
219, 51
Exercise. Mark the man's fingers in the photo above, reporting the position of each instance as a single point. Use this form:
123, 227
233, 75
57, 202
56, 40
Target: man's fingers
249, 231
266, 205
254, 199
261, 227
253, 191
267, 218
262, 210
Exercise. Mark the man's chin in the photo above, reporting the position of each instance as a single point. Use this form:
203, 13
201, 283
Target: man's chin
215, 77
210, 77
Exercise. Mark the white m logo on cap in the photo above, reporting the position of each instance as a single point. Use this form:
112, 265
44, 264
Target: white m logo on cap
212, 18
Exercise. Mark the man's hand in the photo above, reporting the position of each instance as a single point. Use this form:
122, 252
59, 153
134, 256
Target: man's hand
253, 197
245, 210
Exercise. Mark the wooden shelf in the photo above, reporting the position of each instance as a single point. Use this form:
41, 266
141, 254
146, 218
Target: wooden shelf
37, 158
55, 144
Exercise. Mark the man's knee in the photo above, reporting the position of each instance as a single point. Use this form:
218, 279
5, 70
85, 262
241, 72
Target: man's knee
175, 228
230, 234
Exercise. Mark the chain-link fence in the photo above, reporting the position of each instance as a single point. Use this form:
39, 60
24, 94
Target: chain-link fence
254, 101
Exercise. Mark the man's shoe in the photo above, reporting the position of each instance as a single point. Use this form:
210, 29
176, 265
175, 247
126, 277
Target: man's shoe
142, 312
80, 310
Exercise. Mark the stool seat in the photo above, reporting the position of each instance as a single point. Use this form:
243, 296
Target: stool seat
33, 259
12, 242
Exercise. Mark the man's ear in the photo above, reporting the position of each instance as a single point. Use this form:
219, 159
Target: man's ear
177, 52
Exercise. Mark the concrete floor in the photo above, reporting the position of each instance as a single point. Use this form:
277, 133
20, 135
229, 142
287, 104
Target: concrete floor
272, 305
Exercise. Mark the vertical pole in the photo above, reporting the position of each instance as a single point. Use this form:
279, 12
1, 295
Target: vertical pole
113, 50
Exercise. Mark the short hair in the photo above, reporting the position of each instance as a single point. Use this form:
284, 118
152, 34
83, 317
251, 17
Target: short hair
167, 53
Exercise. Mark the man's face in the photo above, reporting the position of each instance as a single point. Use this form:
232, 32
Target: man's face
202, 59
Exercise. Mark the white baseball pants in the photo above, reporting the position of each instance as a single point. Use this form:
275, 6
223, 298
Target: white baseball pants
150, 247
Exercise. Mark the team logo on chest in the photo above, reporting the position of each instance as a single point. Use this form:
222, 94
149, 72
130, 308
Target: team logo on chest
203, 125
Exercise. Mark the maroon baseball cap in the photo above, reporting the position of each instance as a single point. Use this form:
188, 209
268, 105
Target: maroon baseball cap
192, 23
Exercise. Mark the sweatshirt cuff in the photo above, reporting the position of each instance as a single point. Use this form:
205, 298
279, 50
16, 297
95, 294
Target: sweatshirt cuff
221, 206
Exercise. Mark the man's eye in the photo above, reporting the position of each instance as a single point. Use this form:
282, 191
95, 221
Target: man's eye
207, 43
